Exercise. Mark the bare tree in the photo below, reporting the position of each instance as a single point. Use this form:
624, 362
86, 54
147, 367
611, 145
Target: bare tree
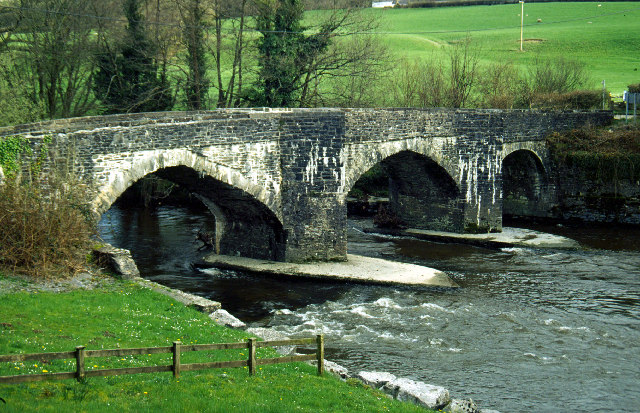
547, 77
359, 82
53, 56
498, 85
463, 73
10, 18
230, 21
192, 15
420, 84
355, 58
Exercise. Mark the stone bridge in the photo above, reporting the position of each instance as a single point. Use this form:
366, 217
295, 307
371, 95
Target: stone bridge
276, 180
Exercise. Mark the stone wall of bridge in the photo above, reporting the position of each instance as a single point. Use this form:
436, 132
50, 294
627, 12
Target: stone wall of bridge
276, 180
469, 145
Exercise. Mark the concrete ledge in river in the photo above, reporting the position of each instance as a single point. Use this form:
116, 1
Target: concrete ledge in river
356, 269
509, 237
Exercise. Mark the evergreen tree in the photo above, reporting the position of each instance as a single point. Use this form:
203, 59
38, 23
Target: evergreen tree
197, 83
279, 51
127, 79
286, 55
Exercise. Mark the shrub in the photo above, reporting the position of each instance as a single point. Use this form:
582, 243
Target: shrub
611, 154
498, 85
45, 222
386, 219
579, 99
436, 82
549, 77
635, 88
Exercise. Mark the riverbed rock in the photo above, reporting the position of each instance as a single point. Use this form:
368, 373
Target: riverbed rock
336, 369
462, 406
375, 379
117, 260
422, 394
224, 318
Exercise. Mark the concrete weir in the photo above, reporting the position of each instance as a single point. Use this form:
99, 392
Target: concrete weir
509, 237
356, 269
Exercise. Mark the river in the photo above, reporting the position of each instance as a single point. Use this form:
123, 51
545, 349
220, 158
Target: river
530, 330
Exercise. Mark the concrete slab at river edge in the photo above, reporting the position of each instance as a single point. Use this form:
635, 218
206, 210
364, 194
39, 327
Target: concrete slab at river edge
356, 269
509, 237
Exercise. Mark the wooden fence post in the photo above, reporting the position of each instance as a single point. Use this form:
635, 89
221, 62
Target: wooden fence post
176, 359
252, 356
320, 353
80, 363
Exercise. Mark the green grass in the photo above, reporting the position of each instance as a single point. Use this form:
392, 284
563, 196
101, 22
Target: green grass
605, 38
126, 315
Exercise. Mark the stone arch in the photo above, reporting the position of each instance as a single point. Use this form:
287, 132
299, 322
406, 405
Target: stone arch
524, 183
423, 192
123, 173
363, 157
537, 149
244, 225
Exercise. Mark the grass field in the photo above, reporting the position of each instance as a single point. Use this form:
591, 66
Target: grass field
605, 36
124, 315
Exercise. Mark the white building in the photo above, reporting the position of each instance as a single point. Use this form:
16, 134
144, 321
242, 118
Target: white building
392, 3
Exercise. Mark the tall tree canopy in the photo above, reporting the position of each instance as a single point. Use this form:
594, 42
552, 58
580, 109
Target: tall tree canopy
127, 79
280, 51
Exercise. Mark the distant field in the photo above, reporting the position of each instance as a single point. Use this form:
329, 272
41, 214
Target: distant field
605, 36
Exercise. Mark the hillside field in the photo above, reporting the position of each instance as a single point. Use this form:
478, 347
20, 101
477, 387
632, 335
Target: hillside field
603, 35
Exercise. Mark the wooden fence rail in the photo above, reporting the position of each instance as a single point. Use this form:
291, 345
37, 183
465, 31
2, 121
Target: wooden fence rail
81, 354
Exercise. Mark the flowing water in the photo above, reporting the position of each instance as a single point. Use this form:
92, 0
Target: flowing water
532, 330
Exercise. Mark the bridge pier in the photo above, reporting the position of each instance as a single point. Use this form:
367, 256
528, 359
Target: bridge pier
315, 227
314, 211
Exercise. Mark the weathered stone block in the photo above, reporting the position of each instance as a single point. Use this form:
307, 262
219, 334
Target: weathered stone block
117, 260
422, 394
376, 379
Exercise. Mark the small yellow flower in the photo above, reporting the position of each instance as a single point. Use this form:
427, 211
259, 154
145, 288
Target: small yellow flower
45, 371
145, 392
95, 365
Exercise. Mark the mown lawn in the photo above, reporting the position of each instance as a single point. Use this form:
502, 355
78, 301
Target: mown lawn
125, 315
603, 35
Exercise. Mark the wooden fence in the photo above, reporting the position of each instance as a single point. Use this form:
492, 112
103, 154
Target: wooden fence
81, 354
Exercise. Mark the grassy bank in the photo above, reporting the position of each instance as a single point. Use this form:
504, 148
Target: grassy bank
122, 314
603, 35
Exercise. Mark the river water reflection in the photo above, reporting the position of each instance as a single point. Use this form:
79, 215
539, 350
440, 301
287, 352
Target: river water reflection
530, 329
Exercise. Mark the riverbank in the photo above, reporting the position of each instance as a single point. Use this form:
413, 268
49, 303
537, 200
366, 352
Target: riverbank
101, 312
356, 269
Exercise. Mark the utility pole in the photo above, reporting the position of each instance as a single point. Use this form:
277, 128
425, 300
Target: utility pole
521, 24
